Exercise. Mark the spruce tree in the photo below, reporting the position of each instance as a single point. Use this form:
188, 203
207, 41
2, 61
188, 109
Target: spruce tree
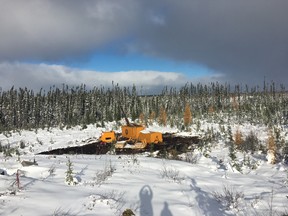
69, 173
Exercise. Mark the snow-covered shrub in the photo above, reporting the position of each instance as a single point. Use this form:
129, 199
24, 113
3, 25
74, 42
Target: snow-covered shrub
229, 198
7, 133
114, 199
134, 159
39, 141
83, 127
173, 154
61, 212
191, 158
8, 151
52, 170
250, 163
171, 173
52, 141
198, 125
205, 145
102, 175
131, 159
271, 157
234, 161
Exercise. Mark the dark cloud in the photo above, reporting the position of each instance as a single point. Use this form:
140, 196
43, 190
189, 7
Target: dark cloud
244, 41
55, 30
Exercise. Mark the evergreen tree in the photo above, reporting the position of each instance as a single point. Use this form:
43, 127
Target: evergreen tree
69, 173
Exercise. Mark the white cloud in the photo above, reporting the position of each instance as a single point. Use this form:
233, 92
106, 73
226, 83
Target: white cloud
36, 76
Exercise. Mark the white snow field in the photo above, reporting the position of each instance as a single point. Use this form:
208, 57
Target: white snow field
109, 184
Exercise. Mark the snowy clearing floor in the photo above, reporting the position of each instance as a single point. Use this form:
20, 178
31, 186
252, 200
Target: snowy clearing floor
109, 184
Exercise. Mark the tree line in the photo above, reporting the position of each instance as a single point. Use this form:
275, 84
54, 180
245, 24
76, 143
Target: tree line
69, 106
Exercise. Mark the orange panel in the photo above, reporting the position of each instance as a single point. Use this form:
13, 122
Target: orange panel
131, 132
151, 137
108, 137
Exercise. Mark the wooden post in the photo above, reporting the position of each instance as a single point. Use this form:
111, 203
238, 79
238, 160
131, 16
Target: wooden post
17, 179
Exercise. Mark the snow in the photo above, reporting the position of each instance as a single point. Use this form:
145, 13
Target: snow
109, 184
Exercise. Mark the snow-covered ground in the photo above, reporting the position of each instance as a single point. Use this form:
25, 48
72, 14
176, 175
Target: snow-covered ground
109, 184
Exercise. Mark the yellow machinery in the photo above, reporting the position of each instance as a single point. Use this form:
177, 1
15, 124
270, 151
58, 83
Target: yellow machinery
133, 137
108, 137
136, 138
132, 131
151, 137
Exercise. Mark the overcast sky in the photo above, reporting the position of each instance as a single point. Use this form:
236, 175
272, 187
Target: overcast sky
149, 43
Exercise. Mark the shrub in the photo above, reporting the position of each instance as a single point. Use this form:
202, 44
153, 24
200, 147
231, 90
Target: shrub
114, 199
22, 144
84, 126
171, 173
251, 143
128, 212
102, 175
230, 198
232, 153
39, 141
163, 117
187, 117
271, 153
61, 212
271, 142
173, 154
191, 158
238, 140
152, 117
8, 151
142, 118
52, 170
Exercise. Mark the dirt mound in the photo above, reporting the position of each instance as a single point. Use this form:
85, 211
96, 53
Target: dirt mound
170, 141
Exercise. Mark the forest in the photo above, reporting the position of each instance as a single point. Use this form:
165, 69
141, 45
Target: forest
67, 106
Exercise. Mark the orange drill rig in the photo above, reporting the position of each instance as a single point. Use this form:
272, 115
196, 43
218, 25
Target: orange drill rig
133, 136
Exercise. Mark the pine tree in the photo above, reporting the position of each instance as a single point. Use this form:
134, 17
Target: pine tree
229, 133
